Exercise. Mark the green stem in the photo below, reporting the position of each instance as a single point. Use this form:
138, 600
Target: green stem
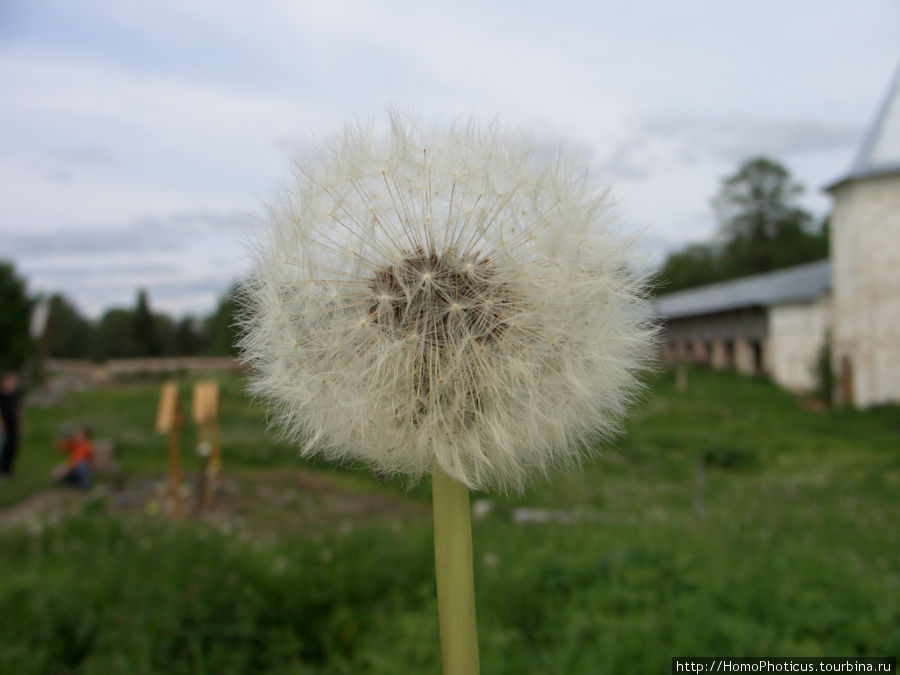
453, 570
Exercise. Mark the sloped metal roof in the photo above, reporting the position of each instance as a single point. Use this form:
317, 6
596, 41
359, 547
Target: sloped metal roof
880, 150
803, 282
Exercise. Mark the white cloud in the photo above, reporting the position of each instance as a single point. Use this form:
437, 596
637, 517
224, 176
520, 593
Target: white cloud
736, 138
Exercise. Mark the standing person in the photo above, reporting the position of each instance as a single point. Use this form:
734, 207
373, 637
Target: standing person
11, 416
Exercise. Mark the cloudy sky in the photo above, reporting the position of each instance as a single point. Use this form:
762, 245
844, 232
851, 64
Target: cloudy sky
138, 141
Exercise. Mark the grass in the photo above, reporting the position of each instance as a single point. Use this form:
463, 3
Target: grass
126, 414
786, 547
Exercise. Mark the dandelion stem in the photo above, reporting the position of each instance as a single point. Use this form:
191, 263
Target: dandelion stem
453, 569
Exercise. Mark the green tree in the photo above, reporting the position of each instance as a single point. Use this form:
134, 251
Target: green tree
220, 327
15, 315
695, 265
761, 228
114, 337
146, 333
69, 333
188, 339
164, 330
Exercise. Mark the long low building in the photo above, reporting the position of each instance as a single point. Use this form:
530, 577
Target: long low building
777, 323
773, 324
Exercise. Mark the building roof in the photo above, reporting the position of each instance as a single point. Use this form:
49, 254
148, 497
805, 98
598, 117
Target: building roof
803, 282
880, 150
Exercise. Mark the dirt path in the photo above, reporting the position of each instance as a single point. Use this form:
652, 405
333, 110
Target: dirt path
45, 507
261, 504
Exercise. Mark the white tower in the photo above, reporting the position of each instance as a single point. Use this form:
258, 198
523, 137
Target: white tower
865, 264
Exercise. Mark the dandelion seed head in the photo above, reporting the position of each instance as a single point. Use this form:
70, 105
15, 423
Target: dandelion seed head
444, 295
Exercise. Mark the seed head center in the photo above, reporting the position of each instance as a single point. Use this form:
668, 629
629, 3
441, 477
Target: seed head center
443, 297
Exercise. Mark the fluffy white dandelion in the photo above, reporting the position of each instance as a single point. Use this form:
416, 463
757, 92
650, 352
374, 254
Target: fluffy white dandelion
448, 301
457, 297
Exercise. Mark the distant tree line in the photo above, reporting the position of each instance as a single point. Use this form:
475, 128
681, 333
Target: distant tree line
760, 228
119, 333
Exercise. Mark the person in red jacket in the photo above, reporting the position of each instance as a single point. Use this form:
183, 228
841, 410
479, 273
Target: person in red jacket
79, 467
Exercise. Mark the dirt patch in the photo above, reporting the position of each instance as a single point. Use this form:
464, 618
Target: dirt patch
271, 503
45, 507
261, 505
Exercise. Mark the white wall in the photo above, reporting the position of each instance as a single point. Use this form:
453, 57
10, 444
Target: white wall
796, 335
865, 258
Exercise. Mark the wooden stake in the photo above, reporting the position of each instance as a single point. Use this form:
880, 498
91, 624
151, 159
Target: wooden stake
169, 418
205, 411
175, 468
681, 378
215, 459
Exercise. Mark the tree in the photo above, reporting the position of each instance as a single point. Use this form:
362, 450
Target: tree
187, 338
696, 265
761, 228
164, 331
221, 330
760, 221
145, 327
15, 315
69, 332
114, 337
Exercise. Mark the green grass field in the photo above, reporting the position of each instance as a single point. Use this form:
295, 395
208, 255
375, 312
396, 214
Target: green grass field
729, 521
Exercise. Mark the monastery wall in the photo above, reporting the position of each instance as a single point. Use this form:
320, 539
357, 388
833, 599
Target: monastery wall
865, 255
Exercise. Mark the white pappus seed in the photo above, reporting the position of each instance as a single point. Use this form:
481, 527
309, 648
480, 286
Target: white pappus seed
452, 334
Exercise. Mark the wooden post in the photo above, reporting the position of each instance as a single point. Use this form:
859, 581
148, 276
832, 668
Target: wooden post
169, 419
681, 377
175, 471
215, 460
205, 412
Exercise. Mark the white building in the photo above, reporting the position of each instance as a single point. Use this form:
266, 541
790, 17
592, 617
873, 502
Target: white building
772, 324
865, 255
777, 323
